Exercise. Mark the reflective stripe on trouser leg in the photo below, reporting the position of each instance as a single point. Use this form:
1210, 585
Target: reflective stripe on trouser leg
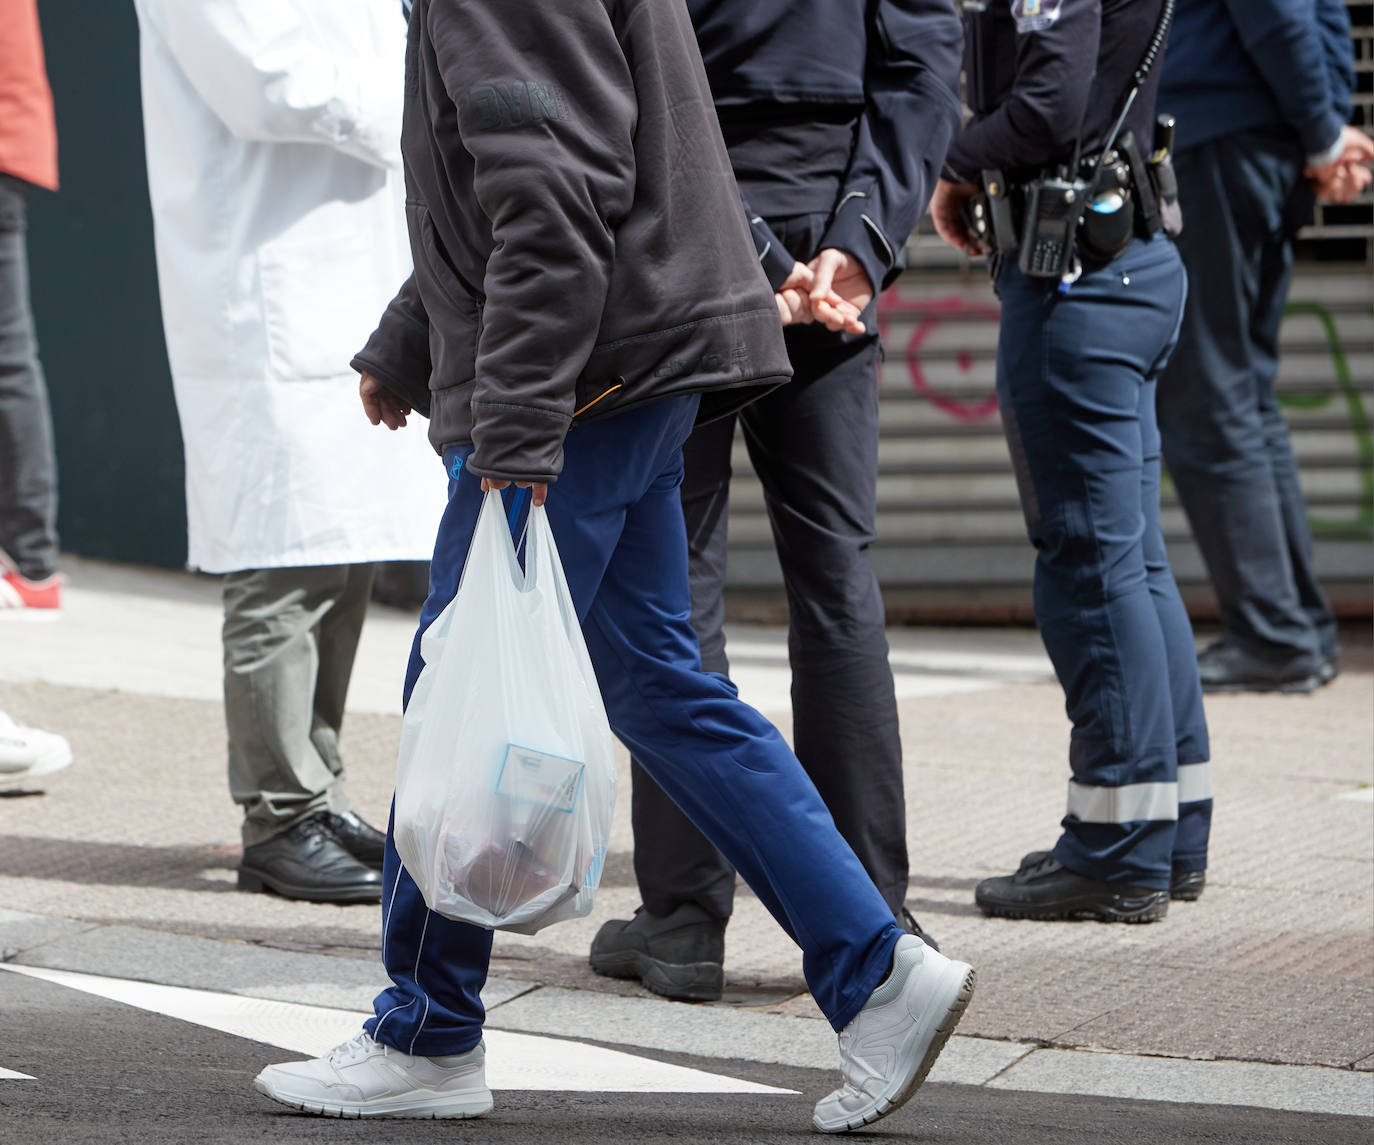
1131, 803
1121, 834
1194, 816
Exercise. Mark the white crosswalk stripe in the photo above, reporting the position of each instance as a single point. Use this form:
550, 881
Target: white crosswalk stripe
514, 1061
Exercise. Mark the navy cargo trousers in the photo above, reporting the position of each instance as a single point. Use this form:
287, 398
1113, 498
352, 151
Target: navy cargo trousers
1076, 378
616, 514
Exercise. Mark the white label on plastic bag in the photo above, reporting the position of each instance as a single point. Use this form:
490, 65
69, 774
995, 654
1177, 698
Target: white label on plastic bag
537, 777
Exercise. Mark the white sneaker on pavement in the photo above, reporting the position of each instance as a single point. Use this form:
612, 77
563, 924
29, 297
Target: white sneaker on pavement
363, 1078
26, 753
890, 1045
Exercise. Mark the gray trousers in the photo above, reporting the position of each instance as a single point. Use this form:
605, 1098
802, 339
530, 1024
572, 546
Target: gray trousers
290, 635
28, 469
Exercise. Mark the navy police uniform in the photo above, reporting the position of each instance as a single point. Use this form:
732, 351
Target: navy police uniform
1258, 98
1076, 376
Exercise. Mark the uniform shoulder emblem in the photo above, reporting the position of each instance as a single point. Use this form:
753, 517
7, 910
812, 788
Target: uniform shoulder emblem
1035, 15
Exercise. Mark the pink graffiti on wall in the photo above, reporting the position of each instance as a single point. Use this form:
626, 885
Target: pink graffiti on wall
930, 313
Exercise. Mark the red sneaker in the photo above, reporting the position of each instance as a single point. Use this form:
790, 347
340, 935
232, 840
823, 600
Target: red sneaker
38, 599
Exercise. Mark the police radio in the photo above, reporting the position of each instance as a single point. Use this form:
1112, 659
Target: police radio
1054, 206
1056, 203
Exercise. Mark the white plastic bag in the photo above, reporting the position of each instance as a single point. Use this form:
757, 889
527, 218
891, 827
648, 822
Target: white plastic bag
505, 782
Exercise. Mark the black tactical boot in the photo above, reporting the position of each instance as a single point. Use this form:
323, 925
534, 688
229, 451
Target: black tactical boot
1187, 886
680, 956
907, 921
1043, 889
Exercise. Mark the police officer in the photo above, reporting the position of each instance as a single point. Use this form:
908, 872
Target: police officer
1063, 93
837, 115
1262, 95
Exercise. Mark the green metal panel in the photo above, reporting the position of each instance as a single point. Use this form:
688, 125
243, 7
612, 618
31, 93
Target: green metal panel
96, 302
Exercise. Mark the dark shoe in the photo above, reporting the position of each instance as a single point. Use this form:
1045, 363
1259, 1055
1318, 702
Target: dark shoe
360, 839
1187, 886
1330, 669
681, 956
1045, 890
1225, 667
307, 862
907, 921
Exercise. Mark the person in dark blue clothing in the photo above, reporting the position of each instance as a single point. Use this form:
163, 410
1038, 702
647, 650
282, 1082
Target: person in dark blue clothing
1261, 91
1063, 96
836, 115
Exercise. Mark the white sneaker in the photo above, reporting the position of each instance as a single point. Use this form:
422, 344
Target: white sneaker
889, 1047
363, 1078
26, 753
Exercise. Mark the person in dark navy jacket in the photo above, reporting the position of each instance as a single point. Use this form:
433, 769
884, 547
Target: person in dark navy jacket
1261, 92
836, 114
1088, 320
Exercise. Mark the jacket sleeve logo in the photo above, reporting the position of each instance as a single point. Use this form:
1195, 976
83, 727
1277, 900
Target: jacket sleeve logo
515, 103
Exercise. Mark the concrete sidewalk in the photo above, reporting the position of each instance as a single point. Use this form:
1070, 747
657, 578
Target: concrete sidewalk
1274, 965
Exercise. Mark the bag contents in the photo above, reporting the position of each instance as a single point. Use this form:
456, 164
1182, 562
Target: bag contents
505, 781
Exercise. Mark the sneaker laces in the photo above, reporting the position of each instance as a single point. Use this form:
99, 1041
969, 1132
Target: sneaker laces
355, 1049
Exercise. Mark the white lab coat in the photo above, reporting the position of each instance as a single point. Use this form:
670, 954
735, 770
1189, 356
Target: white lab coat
272, 131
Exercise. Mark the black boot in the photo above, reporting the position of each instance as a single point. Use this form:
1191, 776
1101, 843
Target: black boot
681, 956
1187, 886
907, 921
1044, 889
1184, 886
307, 862
1226, 667
360, 839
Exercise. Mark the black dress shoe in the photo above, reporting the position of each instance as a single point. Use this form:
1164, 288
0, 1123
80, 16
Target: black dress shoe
307, 862
907, 921
680, 956
1043, 889
360, 839
1226, 667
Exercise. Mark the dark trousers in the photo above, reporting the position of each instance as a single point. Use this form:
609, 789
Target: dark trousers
28, 468
1225, 440
1076, 376
814, 445
617, 518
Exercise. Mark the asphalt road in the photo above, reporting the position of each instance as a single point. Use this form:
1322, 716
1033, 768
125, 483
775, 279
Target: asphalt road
109, 1073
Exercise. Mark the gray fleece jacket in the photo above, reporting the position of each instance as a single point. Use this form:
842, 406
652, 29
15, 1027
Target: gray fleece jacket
578, 242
